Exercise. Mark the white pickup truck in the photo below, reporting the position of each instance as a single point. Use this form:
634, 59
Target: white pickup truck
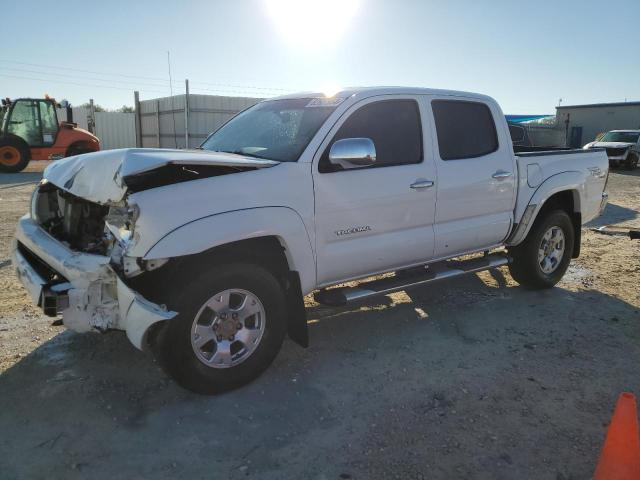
622, 147
204, 256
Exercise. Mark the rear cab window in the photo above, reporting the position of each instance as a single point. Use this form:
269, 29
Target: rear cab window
395, 128
517, 133
465, 129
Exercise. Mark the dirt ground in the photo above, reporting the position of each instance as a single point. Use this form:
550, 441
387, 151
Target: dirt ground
471, 378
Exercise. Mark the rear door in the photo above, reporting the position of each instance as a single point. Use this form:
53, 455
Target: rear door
476, 175
378, 218
49, 122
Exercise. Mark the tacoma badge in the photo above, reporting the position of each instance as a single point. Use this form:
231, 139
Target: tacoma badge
349, 231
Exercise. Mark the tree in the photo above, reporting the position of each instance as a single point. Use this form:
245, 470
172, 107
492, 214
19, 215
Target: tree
126, 109
96, 107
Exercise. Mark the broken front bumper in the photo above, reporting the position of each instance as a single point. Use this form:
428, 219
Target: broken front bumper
81, 286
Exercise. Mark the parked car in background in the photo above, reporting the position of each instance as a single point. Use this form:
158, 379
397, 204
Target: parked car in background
204, 256
623, 147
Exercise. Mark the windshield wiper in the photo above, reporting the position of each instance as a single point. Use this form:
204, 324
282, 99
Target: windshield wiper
244, 154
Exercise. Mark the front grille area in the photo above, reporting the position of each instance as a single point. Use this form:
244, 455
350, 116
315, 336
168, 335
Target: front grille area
70, 219
615, 152
45, 271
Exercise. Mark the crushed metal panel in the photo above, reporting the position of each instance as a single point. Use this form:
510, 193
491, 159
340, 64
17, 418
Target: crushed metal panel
89, 176
138, 314
98, 176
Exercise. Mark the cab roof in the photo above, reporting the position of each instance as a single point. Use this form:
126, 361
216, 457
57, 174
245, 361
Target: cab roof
363, 92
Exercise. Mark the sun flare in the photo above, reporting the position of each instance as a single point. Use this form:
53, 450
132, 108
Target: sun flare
312, 24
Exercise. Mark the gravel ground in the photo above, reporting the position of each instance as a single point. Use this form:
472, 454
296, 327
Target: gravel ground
470, 378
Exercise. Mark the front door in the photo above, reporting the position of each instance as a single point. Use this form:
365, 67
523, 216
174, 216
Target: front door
49, 122
377, 218
24, 122
35, 121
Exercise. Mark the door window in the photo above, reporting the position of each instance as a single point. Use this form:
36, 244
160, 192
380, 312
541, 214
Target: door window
24, 121
49, 122
465, 129
393, 126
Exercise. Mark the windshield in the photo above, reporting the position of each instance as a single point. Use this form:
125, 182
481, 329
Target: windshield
275, 130
629, 137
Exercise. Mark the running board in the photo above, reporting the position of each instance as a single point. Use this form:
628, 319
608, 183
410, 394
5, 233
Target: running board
404, 279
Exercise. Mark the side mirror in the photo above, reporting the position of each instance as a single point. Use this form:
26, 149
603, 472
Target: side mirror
353, 153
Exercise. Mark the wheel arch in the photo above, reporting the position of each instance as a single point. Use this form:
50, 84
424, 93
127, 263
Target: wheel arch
10, 137
559, 192
273, 237
229, 229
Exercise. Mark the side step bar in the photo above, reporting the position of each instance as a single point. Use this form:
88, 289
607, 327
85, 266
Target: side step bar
404, 279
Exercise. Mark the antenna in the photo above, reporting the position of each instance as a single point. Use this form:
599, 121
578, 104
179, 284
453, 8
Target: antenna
169, 65
173, 113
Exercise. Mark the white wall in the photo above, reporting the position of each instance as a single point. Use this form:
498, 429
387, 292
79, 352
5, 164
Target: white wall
114, 129
599, 119
162, 119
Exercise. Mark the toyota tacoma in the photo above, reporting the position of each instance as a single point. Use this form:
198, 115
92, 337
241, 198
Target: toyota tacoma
203, 256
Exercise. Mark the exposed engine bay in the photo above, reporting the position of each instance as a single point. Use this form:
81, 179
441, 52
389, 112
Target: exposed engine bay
78, 223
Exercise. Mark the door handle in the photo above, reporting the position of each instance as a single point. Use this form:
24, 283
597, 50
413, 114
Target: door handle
501, 175
421, 184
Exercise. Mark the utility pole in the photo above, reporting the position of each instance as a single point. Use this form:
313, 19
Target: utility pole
136, 105
173, 112
92, 117
186, 114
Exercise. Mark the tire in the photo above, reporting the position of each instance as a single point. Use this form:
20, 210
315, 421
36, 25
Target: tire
194, 360
526, 268
14, 155
631, 162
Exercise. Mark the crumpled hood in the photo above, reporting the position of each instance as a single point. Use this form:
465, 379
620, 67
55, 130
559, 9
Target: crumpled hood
99, 176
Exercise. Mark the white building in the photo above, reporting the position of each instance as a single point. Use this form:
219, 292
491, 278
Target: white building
582, 123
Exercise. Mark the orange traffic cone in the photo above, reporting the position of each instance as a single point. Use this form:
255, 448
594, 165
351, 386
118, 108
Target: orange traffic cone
620, 456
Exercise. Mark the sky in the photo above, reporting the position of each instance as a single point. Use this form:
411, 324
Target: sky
525, 54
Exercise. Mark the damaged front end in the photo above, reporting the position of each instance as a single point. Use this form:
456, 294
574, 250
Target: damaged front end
71, 250
70, 254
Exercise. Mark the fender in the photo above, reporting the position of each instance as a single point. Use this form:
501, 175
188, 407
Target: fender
573, 181
281, 222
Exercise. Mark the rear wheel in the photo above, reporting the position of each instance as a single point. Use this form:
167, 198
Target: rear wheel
543, 257
14, 155
230, 327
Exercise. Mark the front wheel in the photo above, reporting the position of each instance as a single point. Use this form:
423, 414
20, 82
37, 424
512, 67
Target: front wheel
14, 155
632, 161
230, 326
543, 257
